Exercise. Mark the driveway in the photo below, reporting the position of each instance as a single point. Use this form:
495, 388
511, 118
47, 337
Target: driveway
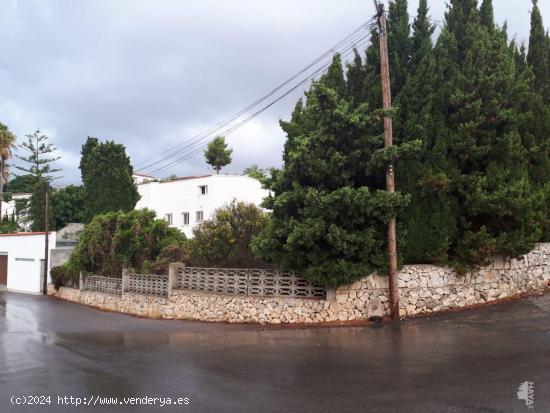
471, 361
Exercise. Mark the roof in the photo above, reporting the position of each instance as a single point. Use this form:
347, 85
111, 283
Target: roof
185, 178
145, 176
22, 234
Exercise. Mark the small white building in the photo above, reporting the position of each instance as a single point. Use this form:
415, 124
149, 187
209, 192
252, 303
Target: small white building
187, 201
22, 260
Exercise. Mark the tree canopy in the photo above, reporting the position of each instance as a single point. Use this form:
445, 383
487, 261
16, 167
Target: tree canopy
38, 162
107, 178
472, 152
217, 154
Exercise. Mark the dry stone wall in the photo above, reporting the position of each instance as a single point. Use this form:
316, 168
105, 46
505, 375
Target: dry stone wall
423, 289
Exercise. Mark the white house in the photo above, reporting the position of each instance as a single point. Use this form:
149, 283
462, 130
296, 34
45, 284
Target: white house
140, 178
187, 201
22, 260
10, 208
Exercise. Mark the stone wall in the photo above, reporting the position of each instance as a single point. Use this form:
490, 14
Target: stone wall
423, 289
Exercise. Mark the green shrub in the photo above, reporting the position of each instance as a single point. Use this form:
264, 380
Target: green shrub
224, 241
58, 275
64, 275
118, 240
169, 254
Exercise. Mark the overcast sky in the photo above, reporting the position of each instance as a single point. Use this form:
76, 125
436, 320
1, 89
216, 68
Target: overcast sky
151, 73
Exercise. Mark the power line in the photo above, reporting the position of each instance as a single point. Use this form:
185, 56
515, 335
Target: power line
197, 149
356, 36
197, 146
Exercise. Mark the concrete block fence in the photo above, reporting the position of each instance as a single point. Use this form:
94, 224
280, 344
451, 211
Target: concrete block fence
423, 289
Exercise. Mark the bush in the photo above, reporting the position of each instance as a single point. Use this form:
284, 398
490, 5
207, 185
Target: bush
169, 254
224, 241
118, 240
58, 276
64, 275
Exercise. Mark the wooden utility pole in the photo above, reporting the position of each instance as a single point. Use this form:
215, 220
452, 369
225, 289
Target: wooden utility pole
46, 239
390, 171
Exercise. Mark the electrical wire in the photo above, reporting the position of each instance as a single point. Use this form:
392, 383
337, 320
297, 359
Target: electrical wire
352, 39
198, 146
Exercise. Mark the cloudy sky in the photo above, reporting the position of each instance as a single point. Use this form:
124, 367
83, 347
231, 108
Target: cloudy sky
152, 73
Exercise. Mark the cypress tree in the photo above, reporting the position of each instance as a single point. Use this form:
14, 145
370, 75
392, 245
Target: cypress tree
486, 14
329, 207
459, 15
399, 44
356, 81
107, 178
500, 209
538, 55
422, 35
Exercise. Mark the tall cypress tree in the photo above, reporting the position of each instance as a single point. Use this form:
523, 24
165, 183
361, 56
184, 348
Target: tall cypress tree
486, 14
329, 207
500, 209
538, 55
107, 178
399, 44
422, 35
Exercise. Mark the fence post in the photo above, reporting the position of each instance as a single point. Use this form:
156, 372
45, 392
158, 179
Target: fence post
80, 281
331, 294
125, 280
173, 272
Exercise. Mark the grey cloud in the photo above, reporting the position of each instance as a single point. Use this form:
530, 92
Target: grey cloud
150, 73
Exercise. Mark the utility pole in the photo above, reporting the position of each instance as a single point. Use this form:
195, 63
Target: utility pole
46, 238
390, 171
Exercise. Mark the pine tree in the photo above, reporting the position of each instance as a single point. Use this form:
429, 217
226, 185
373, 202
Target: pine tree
217, 154
37, 162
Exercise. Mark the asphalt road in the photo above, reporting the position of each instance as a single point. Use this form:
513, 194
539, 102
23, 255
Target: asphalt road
471, 361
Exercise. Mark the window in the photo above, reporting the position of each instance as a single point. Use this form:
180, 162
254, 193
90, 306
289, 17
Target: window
203, 189
185, 218
168, 218
199, 216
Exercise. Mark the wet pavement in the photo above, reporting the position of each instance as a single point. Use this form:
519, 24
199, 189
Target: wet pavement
472, 361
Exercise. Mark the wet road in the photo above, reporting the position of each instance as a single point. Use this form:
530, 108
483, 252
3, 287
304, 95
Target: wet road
471, 361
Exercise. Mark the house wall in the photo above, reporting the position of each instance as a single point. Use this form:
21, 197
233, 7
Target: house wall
25, 252
183, 195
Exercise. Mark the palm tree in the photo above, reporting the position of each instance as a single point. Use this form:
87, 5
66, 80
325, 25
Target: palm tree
7, 143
